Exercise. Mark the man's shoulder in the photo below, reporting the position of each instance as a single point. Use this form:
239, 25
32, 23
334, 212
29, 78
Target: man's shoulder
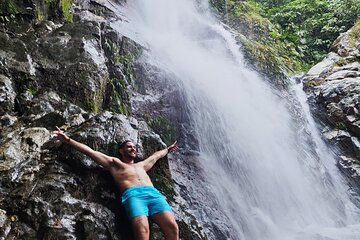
117, 162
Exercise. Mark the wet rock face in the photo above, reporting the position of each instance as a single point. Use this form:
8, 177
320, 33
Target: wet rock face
50, 191
334, 86
80, 76
7, 95
73, 59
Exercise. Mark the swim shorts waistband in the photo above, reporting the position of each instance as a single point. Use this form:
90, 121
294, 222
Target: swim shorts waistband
139, 191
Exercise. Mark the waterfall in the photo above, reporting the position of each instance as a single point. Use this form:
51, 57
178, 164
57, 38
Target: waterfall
268, 173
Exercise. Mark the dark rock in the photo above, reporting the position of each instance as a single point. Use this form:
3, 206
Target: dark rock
337, 99
7, 95
54, 71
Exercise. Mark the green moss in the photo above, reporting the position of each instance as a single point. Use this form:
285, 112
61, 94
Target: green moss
127, 61
8, 10
98, 100
340, 126
116, 56
39, 15
124, 109
219, 5
116, 99
160, 173
346, 60
164, 185
312, 83
162, 126
8, 7
32, 89
66, 7
268, 59
114, 50
354, 35
119, 106
263, 44
58, 10
93, 100
341, 62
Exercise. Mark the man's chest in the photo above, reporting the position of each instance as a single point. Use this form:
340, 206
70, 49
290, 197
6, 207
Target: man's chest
128, 171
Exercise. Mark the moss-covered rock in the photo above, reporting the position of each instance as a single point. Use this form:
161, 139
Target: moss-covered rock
9, 8
38, 10
333, 86
116, 98
354, 35
164, 127
121, 54
261, 40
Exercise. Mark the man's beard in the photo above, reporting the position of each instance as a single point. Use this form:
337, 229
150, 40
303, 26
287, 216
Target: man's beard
131, 156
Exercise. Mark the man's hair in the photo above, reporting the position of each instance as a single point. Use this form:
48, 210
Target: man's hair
121, 145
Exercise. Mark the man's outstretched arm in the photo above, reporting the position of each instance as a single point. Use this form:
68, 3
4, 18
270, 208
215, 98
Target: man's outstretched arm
98, 157
150, 161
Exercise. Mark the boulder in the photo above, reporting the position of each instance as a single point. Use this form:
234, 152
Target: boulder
336, 97
75, 70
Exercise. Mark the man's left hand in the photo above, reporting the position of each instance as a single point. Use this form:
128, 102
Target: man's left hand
173, 147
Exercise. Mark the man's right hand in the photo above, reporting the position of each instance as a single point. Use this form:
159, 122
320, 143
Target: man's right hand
60, 135
173, 147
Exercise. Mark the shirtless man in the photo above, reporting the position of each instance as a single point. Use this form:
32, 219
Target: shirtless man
139, 196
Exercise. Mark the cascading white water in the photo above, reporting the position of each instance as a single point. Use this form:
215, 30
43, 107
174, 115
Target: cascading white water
267, 178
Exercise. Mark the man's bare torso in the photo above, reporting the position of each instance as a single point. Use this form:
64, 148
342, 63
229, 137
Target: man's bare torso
129, 174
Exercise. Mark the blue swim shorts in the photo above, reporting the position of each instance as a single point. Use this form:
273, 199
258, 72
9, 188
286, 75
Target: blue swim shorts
143, 200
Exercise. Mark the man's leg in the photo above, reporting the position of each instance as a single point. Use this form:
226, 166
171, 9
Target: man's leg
140, 227
167, 224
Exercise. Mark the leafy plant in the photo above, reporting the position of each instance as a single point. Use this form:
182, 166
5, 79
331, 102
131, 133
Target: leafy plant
8, 7
8, 10
311, 25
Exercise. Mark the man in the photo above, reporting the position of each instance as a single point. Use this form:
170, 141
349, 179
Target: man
139, 197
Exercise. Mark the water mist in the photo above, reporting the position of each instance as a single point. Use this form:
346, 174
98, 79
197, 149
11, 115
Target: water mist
269, 181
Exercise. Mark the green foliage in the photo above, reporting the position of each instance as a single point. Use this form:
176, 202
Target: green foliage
8, 7
8, 10
312, 83
311, 25
165, 185
117, 57
166, 129
263, 45
127, 61
66, 7
219, 5
117, 103
340, 126
54, 10
32, 89
291, 34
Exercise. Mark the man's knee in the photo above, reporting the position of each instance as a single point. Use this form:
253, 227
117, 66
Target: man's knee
141, 228
173, 227
141, 232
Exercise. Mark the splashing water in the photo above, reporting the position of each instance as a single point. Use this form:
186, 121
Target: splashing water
268, 179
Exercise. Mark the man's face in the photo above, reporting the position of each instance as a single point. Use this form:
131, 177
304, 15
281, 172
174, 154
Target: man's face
128, 151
